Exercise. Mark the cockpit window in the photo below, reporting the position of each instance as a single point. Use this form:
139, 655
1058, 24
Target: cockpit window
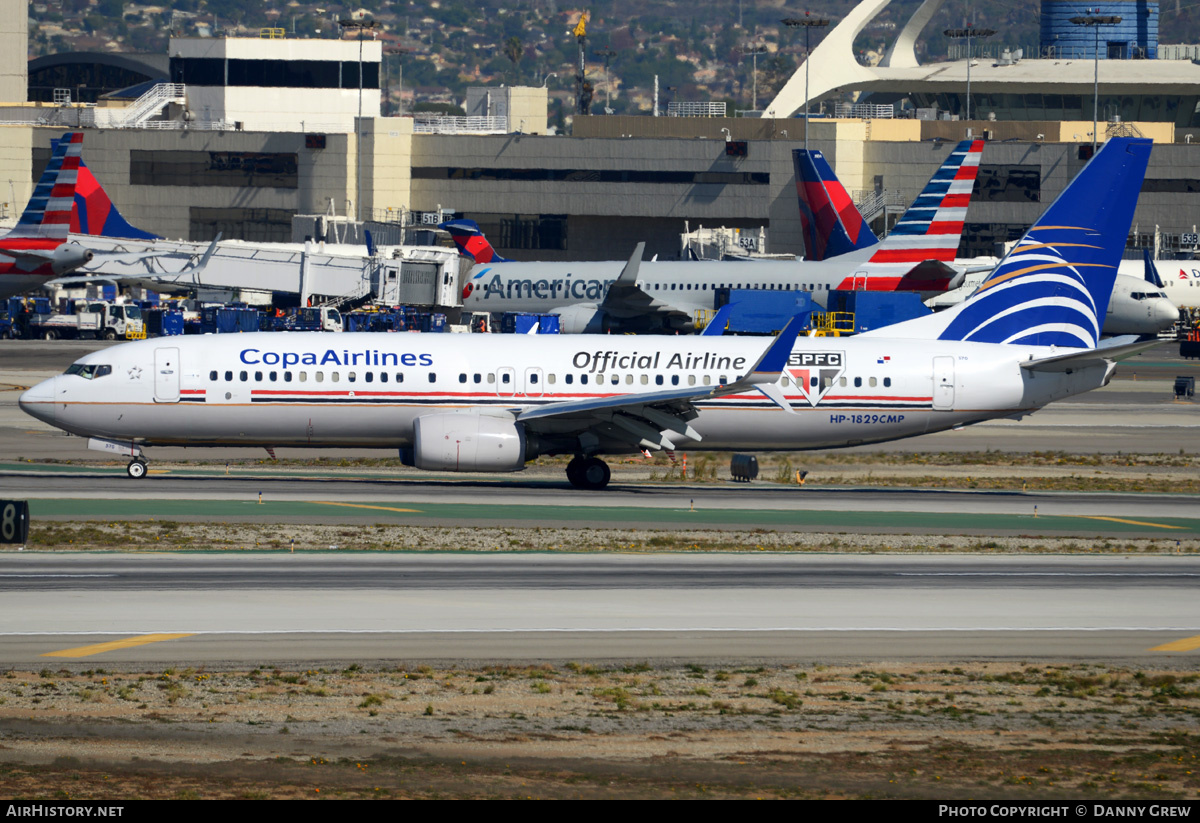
87, 372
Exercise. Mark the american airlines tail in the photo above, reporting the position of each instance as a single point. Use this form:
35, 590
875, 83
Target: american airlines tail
94, 213
831, 223
1053, 287
47, 216
471, 242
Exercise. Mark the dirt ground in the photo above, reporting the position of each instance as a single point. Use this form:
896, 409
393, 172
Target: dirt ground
1000, 730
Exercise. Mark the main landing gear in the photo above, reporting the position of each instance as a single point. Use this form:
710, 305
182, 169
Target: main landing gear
136, 468
588, 473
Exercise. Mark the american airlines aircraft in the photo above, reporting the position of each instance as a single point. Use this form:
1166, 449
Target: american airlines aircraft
833, 227
1028, 336
36, 250
664, 296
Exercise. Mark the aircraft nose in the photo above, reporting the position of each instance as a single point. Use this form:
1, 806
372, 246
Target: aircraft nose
39, 401
1167, 312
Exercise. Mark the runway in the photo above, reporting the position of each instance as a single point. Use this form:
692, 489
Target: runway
237, 609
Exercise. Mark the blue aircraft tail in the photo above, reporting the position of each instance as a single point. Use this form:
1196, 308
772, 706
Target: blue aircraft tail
1151, 271
830, 221
1053, 287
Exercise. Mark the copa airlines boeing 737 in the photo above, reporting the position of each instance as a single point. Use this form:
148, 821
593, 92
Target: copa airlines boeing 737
1029, 335
660, 296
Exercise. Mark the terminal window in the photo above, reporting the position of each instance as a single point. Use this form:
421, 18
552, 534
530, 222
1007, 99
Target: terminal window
248, 169
262, 225
1009, 183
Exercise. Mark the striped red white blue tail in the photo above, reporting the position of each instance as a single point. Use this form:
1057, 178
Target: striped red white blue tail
95, 213
932, 227
48, 214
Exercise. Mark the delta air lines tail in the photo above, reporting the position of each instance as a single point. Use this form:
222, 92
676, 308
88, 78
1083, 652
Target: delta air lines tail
471, 241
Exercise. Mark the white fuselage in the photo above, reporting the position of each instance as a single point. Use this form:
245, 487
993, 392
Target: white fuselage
365, 390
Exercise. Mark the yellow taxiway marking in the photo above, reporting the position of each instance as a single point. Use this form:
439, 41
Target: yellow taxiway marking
140, 640
1187, 644
1131, 522
361, 506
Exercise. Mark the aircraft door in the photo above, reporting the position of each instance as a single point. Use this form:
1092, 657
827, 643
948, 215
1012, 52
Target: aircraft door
943, 383
166, 375
534, 380
506, 381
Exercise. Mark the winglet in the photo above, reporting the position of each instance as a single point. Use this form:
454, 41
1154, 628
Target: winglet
716, 326
1151, 272
208, 253
769, 367
628, 275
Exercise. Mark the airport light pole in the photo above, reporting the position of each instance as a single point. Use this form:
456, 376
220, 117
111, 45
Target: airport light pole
607, 54
754, 50
1095, 21
360, 25
968, 33
808, 22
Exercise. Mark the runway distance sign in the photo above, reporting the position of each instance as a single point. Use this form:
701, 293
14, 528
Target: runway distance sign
14, 521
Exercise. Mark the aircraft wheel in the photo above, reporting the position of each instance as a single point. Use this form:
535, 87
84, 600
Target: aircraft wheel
575, 472
595, 473
136, 468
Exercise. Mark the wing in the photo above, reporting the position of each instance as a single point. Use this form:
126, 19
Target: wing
625, 298
650, 420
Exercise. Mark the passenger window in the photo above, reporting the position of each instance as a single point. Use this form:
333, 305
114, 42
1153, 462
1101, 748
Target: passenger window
369, 377
228, 377
303, 377
383, 377
550, 379
629, 380
399, 377
258, 377
478, 377
272, 376
858, 382
320, 377
351, 376
491, 378
786, 381
287, 377
504, 378
887, 382
674, 380
658, 379
599, 380
583, 379
432, 377
212, 375
244, 376
725, 380
691, 379
872, 382
616, 379
335, 376
812, 381
842, 382
645, 379
533, 378
462, 377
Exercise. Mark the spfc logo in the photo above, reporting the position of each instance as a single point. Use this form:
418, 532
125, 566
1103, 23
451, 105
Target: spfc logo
815, 372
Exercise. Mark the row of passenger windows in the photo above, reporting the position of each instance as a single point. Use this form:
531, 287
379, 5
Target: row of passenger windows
762, 286
506, 378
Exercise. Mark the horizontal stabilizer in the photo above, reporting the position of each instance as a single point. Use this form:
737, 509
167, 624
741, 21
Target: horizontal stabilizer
1110, 351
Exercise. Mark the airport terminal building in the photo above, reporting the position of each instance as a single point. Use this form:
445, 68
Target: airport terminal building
246, 135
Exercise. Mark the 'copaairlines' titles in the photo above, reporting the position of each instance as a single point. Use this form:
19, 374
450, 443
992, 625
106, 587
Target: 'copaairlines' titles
331, 357
602, 361
545, 289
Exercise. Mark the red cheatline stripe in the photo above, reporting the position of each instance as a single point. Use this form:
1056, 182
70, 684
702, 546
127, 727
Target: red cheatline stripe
956, 201
966, 173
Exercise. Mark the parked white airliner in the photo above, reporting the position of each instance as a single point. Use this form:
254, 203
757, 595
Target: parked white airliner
1028, 336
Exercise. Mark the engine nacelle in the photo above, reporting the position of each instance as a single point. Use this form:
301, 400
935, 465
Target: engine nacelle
468, 443
583, 320
70, 256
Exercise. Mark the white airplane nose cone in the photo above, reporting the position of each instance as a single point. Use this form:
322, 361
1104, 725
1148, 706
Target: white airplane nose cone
39, 401
1167, 312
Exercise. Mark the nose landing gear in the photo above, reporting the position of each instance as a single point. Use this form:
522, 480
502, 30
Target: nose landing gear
588, 473
136, 468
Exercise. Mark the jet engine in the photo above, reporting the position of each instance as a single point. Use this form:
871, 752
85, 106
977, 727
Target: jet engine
468, 443
68, 257
583, 320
